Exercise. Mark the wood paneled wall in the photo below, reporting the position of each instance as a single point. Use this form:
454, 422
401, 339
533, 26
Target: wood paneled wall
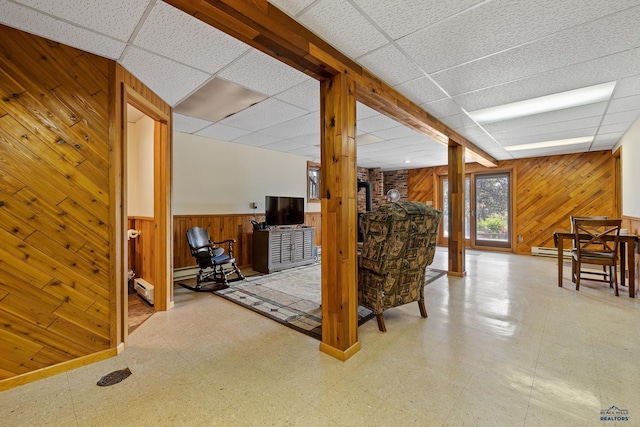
62, 204
54, 203
221, 227
142, 248
547, 191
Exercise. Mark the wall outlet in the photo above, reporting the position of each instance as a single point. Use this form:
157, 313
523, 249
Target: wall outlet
429, 203
253, 205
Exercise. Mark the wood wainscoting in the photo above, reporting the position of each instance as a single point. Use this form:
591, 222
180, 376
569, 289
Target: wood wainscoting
547, 190
141, 248
226, 226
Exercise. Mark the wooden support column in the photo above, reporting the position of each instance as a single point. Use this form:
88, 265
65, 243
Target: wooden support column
456, 210
339, 218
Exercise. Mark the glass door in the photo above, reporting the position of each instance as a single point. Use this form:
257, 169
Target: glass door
487, 210
492, 210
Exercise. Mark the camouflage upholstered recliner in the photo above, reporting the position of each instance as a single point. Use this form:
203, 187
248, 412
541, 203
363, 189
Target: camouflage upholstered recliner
399, 243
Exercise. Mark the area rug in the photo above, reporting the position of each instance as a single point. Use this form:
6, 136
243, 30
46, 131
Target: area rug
292, 297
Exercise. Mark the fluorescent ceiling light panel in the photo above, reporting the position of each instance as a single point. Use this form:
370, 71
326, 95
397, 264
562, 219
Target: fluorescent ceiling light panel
217, 100
547, 144
543, 104
367, 138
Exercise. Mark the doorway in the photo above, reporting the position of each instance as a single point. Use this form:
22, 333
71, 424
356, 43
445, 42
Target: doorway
488, 210
140, 216
155, 228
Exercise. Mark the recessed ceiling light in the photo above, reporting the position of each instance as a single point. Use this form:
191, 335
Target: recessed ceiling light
547, 144
407, 161
543, 104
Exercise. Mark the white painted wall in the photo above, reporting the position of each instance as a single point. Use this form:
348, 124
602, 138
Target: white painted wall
630, 143
140, 167
218, 177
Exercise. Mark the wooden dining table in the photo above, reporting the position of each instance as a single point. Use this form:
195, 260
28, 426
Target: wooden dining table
628, 249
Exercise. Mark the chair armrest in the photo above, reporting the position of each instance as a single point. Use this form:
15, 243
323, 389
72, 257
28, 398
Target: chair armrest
208, 245
224, 241
230, 242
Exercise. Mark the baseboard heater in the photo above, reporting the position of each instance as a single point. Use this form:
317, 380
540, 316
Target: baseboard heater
550, 252
144, 289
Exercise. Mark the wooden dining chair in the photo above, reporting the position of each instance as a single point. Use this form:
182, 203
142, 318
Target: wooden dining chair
605, 270
596, 243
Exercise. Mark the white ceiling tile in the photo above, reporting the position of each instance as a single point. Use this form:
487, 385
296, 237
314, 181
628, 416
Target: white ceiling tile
552, 151
552, 136
390, 65
168, 79
284, 145
337, 22
256, 139
396, 132
624, 104
442, 108
616, 127
419, 143
263, 115
485, 142
262, 73
291, 7
589, 73
499, 25
363, 111
565, 115
222, 132
633, 64
311, 139
175, 34
376, 123
304, 95
303, 125
115, 18
45, 26
308, 151
421, 90
457, 121
627, 87
370, 148
577, 124
186, 124
408, 16
603, 145
622, 117
605, 137
575, 45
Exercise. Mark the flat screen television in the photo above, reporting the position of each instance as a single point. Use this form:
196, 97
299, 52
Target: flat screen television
284, 210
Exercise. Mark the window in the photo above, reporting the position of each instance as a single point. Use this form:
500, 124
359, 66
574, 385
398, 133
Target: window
313, 182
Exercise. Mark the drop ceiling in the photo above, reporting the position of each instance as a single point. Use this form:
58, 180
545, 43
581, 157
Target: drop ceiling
450, 57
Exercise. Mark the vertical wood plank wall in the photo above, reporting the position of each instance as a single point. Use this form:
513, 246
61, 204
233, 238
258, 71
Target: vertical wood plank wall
54, 203
221, 227
547, 191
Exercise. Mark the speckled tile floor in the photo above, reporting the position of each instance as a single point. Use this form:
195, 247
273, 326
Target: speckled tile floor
503, 346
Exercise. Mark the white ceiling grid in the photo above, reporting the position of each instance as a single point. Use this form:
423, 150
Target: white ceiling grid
449, 57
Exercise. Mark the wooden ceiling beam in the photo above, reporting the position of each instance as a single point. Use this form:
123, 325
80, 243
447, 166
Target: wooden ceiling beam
266, 28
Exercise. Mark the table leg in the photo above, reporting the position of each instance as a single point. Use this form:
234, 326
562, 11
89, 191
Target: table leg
631, 259
623, 258
560, 246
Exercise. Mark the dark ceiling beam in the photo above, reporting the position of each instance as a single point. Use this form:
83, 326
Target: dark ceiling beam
268, 29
